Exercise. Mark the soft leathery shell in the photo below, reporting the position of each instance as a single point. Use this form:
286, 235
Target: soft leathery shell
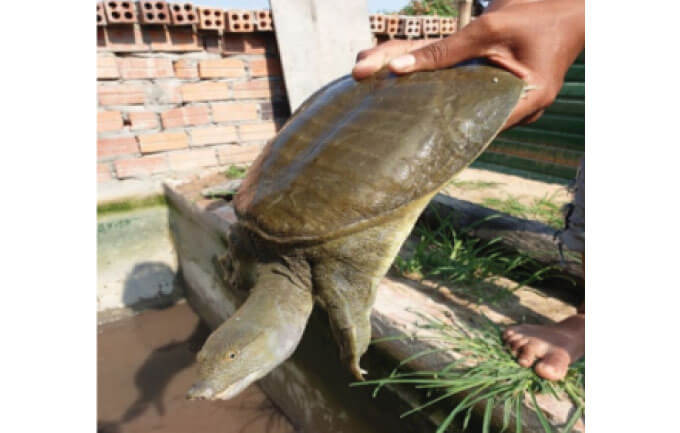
355, 152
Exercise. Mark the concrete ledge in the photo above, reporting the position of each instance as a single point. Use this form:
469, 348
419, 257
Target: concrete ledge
312, 386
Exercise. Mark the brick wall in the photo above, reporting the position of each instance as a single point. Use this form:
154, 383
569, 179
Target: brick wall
183, 88
172, 98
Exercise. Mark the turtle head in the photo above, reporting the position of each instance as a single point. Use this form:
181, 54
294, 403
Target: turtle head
231, 359
259, 336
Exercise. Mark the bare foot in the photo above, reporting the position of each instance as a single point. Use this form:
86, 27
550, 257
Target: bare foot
554, 346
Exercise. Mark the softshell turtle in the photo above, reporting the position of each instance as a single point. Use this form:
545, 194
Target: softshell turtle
324, 209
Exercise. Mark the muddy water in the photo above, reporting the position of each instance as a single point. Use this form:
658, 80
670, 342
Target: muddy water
146, 363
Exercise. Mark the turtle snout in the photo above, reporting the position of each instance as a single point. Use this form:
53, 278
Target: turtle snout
200, 391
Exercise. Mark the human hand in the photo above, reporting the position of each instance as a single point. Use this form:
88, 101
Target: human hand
537, 40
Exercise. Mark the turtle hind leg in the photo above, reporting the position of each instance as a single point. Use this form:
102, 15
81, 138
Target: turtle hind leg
347, 295
346, 274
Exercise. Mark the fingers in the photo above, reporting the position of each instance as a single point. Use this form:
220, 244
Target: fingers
464, 45
371, 60
525, 112
409, 56
532, 105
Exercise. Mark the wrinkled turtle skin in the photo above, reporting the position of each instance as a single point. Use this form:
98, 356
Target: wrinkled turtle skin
328, 203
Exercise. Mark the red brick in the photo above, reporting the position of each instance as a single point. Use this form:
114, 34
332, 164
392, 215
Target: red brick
141, 167
120, 12
231, 112
263, 20
183, 15
256, 89
170, 38
167, 93
213, 135
143, 120
157, 13
101, 15
103, 173
162, 141
107, 68
265, 67
185, 116
377, 22
221, 68
210, 18
110, 147
257, 131
109, 121
211, 42
121, 94
101, 38
186, 69
197, 158
253, 43
237, 154
123, 39
204, 91
239, 20
133, 68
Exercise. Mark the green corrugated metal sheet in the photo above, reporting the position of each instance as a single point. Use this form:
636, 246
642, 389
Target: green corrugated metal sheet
552, 146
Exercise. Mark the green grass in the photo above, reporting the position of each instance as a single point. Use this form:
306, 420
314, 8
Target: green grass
542, 209
487, 374
236, 172
127, 205
473, 185
473, 265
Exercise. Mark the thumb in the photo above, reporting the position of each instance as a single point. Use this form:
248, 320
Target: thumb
441, 54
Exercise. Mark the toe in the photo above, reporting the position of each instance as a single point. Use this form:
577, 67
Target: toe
527, 355
508, 333
554, 365
513, 338
516, 344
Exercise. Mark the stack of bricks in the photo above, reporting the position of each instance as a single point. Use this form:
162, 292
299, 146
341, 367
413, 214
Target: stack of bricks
169, 105
386, 27
409, 27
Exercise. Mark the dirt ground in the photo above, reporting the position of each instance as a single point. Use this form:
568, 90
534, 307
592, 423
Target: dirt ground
517, 196
145, 364
473, 184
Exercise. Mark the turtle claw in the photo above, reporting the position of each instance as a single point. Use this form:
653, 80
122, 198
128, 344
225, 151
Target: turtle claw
357, 371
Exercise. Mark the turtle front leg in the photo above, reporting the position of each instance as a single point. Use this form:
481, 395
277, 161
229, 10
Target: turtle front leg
347, 295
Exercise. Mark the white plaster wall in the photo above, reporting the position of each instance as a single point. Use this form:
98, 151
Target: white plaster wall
136, 261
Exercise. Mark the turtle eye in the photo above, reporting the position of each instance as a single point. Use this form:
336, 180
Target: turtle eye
230, 355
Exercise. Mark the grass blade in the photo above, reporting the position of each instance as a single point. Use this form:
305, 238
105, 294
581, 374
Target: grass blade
429, 403
573, 419
467, 418
445, 424
518, 414
487, 415
507, 407
539, 413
